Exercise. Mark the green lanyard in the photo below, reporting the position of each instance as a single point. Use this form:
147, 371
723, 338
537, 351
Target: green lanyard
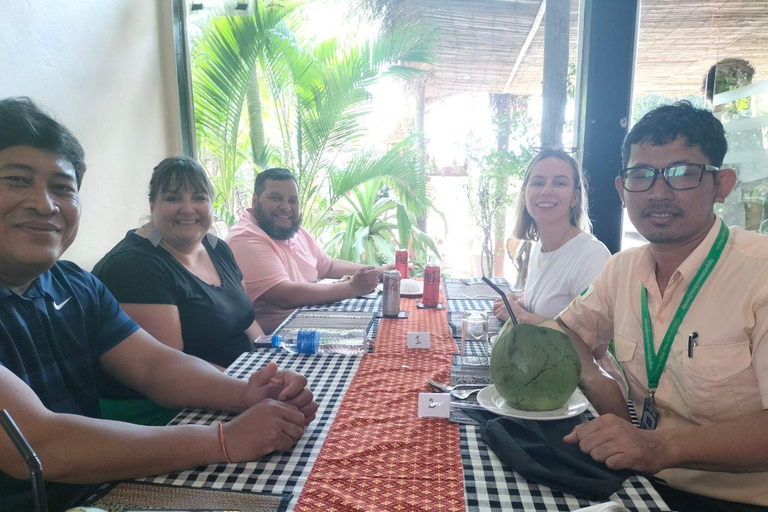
654, 363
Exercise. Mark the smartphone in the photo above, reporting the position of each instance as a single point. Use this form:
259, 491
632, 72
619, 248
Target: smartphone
263, 341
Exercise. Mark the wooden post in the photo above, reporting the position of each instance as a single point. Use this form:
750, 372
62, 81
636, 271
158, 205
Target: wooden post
502, 110
554, 91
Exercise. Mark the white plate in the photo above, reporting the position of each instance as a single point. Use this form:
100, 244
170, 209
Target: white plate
492, 401
411, 283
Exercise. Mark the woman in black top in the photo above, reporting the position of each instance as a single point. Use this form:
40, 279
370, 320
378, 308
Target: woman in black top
178, 282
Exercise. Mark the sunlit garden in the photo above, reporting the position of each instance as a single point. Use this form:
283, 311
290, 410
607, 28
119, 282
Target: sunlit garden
330, 93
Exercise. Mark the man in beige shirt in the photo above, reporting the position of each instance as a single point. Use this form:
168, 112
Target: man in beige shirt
704, 406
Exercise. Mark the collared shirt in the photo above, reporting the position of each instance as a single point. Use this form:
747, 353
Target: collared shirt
266, 262
726, 378
51, 338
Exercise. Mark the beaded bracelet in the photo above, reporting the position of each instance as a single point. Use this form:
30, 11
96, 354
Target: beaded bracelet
223, 444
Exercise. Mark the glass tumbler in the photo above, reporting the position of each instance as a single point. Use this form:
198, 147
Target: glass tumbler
474, 331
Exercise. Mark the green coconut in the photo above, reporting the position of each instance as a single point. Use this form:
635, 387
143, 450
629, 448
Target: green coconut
534, 368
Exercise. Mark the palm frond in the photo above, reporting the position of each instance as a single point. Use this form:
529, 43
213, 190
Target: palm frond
223, 60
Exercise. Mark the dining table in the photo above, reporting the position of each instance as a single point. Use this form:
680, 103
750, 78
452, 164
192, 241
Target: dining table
368, 449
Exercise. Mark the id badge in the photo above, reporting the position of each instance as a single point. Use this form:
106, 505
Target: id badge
650, 418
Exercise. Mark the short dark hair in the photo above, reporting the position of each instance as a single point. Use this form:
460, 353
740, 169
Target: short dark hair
275, 173
665, 124
22, 123
176, 173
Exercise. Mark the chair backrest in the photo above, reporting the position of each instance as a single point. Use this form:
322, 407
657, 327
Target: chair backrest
519, 251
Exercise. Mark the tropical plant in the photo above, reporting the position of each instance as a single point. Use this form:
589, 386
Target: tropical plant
224, 61
317, 99
492, 172
321, 101
370, 223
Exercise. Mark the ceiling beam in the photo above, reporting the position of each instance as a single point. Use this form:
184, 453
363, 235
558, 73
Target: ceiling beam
526, 44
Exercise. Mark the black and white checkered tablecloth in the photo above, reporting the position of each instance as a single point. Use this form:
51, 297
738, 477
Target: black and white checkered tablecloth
355, 304
488, 484
462, 305
329, 376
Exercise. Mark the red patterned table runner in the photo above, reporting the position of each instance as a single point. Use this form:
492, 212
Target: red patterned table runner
379, 455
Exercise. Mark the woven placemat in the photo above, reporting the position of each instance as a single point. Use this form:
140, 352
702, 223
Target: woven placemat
141, 496
461, 290
330, 320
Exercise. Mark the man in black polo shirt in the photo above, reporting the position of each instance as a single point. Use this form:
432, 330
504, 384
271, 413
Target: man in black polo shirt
59, 326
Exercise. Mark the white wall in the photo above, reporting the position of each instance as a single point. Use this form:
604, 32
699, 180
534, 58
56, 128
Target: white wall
106, 70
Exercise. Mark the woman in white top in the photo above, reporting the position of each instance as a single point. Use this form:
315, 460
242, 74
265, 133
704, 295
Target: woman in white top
565, 258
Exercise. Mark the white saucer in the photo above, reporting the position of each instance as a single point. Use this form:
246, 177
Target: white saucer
492, 401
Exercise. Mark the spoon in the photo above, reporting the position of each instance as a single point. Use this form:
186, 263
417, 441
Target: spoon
463, 394
447, 388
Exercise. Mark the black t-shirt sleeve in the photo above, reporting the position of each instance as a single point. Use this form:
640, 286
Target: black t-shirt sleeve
135, 277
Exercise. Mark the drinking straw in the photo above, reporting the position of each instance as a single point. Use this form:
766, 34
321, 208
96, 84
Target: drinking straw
30, 457
503, 297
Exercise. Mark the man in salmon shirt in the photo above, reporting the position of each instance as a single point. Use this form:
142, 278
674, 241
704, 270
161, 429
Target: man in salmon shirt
688, 313
280, 260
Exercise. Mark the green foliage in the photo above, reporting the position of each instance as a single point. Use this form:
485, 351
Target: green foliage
492, 175
315, 101
320, 100
371, 223
223, 59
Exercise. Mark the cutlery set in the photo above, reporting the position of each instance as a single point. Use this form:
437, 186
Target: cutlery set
457, 391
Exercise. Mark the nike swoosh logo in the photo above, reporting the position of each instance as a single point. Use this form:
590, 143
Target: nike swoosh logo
59, 306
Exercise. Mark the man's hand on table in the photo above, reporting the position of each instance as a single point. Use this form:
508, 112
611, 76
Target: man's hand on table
285, 386
364, 281
620, 445
265, 427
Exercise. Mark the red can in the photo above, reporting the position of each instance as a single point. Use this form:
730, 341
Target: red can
431, 295
401, 262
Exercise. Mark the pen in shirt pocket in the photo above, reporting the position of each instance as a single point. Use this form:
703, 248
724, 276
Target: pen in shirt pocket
692, 343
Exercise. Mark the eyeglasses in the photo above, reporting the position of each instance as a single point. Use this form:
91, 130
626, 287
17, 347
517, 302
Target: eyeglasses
678, 176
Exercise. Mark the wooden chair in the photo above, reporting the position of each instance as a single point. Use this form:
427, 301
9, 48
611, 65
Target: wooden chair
519, 251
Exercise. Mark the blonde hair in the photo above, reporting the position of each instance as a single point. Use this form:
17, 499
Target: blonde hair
525, 226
